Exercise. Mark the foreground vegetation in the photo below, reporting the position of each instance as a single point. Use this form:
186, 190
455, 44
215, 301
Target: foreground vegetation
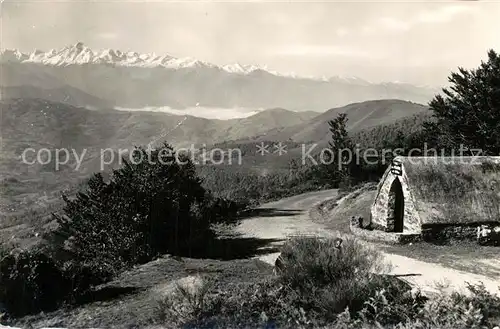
321, 286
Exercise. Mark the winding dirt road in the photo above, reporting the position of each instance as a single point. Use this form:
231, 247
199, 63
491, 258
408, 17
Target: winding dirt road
290, 216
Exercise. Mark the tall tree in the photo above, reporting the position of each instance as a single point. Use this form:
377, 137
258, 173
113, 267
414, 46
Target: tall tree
341, 149
468, 114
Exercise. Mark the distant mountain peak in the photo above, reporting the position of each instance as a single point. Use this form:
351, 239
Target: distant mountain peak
79, 54
241, 68
79, 45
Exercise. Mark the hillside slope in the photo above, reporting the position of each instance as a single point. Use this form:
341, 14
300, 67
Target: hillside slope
37, 124
361, 116
66, 94
60, 125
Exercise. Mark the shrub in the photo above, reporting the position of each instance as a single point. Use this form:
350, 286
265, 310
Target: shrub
30, 282
330, 280
188, 302
261, 304
218, 209
316, 286
482, 299
478, 309
321, 286
392, 303
79, 279
317, 262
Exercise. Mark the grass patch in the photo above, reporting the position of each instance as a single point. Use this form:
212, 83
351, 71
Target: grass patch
455, 193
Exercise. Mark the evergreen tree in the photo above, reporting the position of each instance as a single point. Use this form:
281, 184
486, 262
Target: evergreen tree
468, 114
144, 210
339, 163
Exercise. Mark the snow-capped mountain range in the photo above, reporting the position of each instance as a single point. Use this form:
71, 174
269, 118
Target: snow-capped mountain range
81, 76
80, 54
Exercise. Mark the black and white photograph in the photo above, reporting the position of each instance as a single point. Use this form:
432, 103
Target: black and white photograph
232, 164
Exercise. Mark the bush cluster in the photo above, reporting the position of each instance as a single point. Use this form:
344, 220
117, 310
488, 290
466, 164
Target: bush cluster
251, 186
216, 210
32, 281
29, 282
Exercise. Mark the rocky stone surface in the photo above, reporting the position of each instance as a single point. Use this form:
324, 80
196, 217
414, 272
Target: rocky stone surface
381, 208
391, 205
488, 234
369, 233
459, 232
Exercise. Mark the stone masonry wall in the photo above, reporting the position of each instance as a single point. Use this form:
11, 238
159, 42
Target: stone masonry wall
373, 233
380, 207
411, 217
391, 218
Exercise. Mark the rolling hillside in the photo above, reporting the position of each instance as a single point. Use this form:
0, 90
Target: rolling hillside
36, 123
66, 94
39, 123
61, 125
361, 116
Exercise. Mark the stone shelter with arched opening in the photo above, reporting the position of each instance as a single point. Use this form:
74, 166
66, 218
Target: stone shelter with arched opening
418, 193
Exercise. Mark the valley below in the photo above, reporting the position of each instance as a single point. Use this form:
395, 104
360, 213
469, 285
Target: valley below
93, 139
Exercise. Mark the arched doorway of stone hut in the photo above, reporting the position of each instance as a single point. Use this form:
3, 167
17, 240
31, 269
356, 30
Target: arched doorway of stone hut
396, 206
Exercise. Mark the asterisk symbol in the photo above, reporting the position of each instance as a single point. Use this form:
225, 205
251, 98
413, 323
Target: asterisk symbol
280, 148
262, 148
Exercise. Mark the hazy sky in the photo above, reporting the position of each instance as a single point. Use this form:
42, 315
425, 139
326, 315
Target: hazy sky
418, 42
